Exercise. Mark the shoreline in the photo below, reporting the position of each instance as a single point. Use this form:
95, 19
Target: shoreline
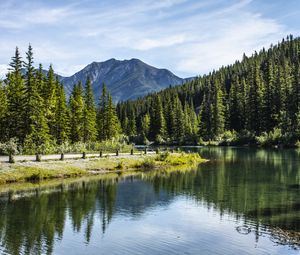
25, 174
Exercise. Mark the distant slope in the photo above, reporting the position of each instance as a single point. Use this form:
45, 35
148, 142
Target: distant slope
127, 79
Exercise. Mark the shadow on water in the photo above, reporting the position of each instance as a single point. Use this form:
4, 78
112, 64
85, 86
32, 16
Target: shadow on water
260, 187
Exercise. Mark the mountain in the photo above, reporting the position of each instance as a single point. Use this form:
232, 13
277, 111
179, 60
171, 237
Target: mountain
126, 79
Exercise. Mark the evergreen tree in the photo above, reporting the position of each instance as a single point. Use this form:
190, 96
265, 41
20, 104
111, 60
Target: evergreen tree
89, 114
14, 120
49, 95
218, 120
157, 121
112, 124
61, 126
177, 122
3, 111
145, 125
76, 105
255, 100
36, 128
101, 114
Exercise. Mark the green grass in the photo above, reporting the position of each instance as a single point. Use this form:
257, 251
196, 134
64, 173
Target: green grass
22, 172
31, 174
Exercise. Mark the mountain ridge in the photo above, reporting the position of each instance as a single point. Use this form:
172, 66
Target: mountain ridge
125, 79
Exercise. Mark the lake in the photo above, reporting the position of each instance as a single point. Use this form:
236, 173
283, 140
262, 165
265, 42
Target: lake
244, 201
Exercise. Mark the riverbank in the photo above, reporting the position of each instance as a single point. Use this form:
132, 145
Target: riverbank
32, 171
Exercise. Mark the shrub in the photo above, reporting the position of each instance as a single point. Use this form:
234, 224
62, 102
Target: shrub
120, 165
162, 156
148, 164
273, 137
10, 147
228, 137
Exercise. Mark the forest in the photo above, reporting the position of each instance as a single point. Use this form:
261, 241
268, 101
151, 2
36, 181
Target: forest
35, 114
253, 101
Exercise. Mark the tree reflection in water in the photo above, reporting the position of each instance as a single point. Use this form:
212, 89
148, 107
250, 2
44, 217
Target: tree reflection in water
260, 187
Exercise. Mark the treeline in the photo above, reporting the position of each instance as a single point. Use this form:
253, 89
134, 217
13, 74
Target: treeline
256, 100
253, 100
35, 112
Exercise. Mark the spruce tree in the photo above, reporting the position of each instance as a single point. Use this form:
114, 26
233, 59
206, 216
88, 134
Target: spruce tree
36, 128
157, 121
218, 110
61, 125
15, 104
145, 125
101, 114
177, 122
49, 95
254, 103
3, 111
76, 105
89, 114
112, 125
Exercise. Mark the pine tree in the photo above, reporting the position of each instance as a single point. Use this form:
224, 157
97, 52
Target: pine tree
112, 125
145, 125
205, 123
49, 95
177, 122
268, 111
157, 121
3, 111
61, 128
40, 80
101, 114
30, 91
15, 94
295, 95
76, 105
36, 128
254, 103
218, 110
235, 106
89, 114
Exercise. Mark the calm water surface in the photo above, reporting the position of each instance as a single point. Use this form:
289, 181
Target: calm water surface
244, 201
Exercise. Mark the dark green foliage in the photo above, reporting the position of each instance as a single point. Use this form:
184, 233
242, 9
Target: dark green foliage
34, 111
61, 128
89, 114
107, 120
252, 96
76, 105
3, 110
36, 127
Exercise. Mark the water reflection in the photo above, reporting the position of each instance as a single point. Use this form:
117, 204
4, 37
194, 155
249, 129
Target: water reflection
259, 188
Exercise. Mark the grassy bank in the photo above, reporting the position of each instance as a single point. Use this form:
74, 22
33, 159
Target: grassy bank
39, 171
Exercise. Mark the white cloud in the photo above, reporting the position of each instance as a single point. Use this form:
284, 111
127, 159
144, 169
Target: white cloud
243, 33
185, 36
147, 44
3, 70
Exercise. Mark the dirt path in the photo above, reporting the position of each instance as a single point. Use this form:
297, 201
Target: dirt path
18, 158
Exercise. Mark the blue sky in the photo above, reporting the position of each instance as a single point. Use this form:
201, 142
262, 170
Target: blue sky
187, 37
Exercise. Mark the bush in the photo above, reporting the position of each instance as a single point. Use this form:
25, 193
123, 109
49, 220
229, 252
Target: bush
159, 140
162, 156
31, 148
120, 165
148, 164
274, 137
10, 147
228, 137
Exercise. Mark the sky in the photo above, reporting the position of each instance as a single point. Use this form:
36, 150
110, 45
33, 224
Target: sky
188, 37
